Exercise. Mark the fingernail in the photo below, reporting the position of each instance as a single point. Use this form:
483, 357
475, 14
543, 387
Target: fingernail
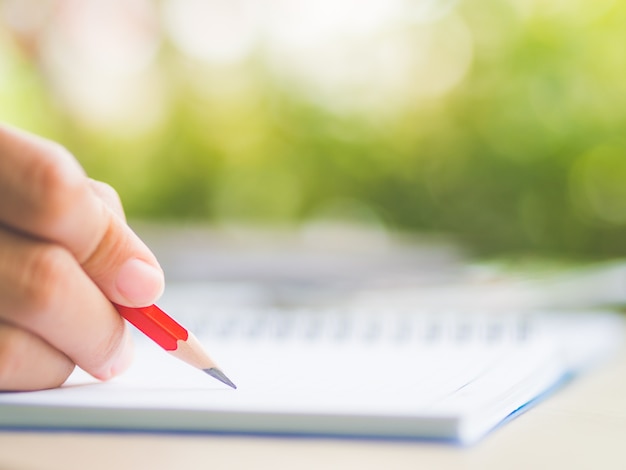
125, 356
140, 283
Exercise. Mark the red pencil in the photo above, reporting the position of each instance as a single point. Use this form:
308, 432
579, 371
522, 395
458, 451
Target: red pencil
173, 337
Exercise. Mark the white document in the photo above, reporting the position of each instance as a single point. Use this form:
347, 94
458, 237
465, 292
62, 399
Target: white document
335, 372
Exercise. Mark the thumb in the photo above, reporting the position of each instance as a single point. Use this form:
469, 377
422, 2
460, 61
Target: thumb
123, 267
136, 281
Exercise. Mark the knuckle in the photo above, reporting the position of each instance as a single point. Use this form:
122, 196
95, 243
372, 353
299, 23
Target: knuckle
58, 179
107, 190
109, 196
43, 281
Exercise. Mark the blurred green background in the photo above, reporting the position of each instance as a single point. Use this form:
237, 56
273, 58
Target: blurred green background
499, 122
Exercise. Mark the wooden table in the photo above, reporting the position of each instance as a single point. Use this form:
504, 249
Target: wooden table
582, 426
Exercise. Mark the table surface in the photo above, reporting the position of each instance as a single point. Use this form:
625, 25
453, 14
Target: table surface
582, 425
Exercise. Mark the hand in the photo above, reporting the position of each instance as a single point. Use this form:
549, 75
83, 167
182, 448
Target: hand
66, 253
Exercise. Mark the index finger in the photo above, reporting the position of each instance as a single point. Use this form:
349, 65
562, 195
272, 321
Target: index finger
45, 193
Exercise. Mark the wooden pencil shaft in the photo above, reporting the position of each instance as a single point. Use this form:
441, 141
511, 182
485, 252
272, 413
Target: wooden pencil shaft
191, 352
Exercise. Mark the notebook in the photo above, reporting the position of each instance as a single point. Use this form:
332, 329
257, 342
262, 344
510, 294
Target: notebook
344, 370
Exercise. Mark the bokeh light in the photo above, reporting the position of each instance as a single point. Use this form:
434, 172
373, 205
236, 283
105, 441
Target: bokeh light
215, 31
597, 184
498, 122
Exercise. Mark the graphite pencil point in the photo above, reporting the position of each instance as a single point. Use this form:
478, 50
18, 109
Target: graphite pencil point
219, 375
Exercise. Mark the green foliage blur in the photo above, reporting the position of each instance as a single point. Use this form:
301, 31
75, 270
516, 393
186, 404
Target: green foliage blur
526, 154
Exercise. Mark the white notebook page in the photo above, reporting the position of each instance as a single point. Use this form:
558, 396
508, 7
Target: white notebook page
445, 375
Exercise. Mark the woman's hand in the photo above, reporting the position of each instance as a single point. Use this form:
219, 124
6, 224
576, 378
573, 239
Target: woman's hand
66, 253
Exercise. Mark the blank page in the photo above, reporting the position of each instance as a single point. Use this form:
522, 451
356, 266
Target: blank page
334, 371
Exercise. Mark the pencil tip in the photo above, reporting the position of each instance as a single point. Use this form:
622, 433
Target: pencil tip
219, 375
